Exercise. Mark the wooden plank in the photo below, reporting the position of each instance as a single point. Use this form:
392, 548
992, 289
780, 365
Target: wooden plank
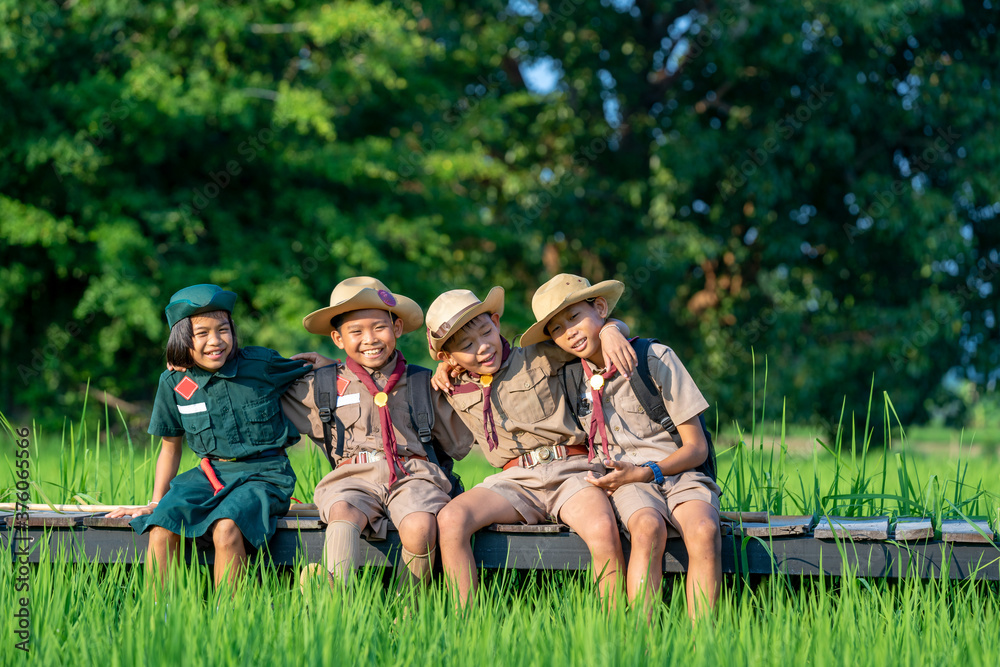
867, 528
49, 519
535, 529
775, 526
909, 529
102, 521
290, 522
964, 532
43, 507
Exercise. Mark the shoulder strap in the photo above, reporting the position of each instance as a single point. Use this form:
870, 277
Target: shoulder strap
652, 402
568, 397
418, 396
325, 396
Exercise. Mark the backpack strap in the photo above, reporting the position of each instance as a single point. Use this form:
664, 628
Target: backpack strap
418, 396
652, 402
325, 397
570, 400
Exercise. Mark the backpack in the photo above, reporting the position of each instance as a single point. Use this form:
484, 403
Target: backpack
418, 396
652, 403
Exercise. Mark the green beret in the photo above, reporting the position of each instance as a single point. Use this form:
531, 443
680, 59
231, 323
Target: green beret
198, 299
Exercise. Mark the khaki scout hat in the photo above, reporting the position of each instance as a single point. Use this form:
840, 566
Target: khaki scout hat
198, 299
454, 309
565, 290
361, 293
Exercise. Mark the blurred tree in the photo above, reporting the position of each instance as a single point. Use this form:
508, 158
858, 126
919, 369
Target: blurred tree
811, 181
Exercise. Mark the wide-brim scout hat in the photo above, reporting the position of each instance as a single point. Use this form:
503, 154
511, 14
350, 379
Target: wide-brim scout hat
198, 299
453, 310
362, 293
562, 291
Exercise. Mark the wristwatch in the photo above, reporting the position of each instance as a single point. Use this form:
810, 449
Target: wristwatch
657, 473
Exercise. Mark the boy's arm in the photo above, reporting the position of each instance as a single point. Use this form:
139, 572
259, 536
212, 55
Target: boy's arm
616, 348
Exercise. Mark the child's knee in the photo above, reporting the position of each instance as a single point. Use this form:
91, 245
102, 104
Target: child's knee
161, 536
704, 532
647, 527
226, 534
453, 520
418, 530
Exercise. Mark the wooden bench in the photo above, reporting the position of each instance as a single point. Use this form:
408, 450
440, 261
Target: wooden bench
753, 543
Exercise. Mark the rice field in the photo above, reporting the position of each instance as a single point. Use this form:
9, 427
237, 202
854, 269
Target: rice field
106, 614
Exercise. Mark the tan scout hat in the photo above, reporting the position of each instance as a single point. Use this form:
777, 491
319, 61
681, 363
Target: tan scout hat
565, 290
453, 310
361, 293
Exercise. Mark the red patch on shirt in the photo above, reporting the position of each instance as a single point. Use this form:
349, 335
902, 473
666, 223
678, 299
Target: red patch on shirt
186, 388
342, 384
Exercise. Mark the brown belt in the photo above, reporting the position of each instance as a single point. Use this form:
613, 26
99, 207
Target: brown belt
371, 457
546, 454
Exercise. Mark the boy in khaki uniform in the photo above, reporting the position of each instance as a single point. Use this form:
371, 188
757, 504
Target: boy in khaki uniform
653, 482
384, 474
512, 400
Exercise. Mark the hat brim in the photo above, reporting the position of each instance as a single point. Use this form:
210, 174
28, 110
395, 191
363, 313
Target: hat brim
611, 290
492, 304
406, 309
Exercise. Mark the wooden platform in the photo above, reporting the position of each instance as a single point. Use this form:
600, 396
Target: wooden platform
753, 543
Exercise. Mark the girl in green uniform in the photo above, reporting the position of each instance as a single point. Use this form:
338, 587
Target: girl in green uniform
226, 405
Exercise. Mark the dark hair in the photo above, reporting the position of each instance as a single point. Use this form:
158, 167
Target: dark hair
181, 339
448, 344
591, 301
337, 320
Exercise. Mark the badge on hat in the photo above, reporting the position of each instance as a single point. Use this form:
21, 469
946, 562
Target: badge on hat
387, 298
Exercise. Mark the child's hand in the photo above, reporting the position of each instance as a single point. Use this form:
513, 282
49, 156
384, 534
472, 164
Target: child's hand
315, 358
171, 367
131, 511
441, 380
617, 350
622, 473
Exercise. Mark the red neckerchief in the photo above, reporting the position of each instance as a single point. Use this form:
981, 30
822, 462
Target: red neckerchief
381, 398
489, 426
597, 416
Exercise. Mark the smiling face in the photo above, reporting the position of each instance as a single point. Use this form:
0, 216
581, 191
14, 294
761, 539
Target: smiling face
477, 346
577, 329
368, 336
211, 341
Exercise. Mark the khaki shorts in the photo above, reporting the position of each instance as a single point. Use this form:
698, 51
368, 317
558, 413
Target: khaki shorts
539, 493
675, 491
365, 486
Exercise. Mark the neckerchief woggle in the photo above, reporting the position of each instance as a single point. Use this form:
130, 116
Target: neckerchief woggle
381, 398
489, 425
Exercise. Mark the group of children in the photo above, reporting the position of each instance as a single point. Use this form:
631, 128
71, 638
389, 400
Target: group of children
558, 417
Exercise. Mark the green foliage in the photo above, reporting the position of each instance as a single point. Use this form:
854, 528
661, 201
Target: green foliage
815, 182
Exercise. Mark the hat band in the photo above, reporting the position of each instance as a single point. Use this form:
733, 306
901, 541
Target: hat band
445, 327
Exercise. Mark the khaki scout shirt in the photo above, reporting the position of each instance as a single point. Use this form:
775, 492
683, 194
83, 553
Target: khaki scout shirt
233, 412
631, 433
529, 404
357, 411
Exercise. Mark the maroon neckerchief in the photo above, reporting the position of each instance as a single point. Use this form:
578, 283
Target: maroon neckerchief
597, 414
388, 434
489, 426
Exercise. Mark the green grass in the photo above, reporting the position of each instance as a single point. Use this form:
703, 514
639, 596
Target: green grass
88, 613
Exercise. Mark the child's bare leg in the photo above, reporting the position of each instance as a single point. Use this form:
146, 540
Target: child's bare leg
645, 565
698, 523
418, 535
589, 513
457, 521
162, 551
342, 547
230, 554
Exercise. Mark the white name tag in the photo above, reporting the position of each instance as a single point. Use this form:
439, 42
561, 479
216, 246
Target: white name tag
350, 399
191, 409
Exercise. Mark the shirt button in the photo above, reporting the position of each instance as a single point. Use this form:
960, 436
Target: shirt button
527, 383
376, 429
617, 429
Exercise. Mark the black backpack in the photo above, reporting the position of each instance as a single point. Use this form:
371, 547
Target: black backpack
651, 400
418, 396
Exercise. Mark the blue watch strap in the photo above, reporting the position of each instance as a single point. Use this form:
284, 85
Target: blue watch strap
657, 473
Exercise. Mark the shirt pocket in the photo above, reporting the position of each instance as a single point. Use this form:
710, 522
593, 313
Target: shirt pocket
265, 422
634, 416
531, 398
197, 432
